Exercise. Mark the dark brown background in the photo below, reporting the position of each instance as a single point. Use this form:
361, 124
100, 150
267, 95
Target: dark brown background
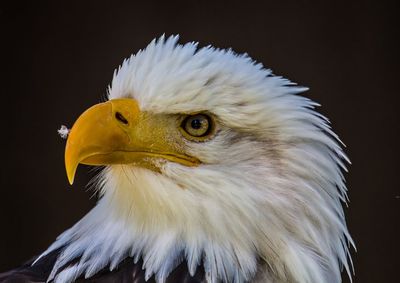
61, 58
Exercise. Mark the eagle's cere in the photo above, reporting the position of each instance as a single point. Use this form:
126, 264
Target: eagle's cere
211, 162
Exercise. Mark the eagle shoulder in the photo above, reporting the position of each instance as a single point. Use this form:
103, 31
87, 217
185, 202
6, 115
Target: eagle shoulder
126, 272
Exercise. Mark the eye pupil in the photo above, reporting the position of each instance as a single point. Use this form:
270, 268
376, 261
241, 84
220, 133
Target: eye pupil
196, 124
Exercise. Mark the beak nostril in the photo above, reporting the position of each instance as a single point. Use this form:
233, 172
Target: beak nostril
121, 118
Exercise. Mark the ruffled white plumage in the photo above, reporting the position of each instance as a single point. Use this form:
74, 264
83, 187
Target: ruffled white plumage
270, 186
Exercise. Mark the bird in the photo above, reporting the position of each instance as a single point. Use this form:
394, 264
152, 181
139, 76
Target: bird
213, 169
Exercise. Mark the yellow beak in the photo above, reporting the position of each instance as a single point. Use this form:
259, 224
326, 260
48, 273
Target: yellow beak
116, 132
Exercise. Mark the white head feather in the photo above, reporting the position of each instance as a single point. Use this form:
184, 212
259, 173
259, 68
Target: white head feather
264, 205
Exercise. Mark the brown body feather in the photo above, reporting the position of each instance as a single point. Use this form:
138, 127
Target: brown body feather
126, 272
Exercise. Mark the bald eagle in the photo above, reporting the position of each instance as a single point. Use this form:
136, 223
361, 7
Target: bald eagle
215, 170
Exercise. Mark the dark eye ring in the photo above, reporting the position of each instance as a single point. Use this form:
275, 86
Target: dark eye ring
197, 126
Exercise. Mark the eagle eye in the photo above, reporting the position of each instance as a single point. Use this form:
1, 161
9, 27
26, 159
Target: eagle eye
197, 127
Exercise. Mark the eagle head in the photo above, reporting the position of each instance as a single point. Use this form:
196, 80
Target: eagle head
212, 161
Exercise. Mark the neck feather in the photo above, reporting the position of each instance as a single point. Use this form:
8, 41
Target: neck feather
142, 214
